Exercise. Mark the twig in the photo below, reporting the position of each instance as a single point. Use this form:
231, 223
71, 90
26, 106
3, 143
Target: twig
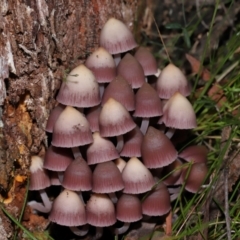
199, 15
160, 35
190, 213
228, 70
226, 203
169, 224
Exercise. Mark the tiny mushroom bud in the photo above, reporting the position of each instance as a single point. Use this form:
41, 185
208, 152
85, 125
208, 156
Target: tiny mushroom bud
103, 67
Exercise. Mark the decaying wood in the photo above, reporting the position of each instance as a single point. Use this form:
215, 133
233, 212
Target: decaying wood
39, 41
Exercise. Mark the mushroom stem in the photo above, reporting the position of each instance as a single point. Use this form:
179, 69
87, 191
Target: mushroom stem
45, 207
80, 195
157, 73
174, 193
60, 176
122, 229
117, 58
120, 142
101, 88
98, 234
80, 231
144, 125
170, 132
76, 152
113, 197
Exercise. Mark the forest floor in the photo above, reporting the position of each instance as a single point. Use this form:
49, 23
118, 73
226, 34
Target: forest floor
203, 39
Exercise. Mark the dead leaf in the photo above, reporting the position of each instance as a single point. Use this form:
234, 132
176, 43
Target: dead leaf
217, 95
197, 68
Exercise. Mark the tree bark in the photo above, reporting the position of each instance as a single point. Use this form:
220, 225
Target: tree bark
39, 41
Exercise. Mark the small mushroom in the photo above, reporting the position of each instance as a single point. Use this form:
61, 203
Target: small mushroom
80, 89
100, 212
157, 150
101, 150
136, 177
128, 210
172, 80
178, 113
39, 181
116, 38
114, 121
131, 70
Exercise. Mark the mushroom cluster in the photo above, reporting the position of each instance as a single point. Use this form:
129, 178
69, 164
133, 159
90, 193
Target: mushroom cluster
111, 148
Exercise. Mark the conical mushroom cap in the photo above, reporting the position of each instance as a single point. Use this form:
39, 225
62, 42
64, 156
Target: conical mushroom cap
39, 178
172, 80
196, 176
114, 119
178, 113
120, 90
78, 176
80, 89
129, 208
157, 150
148, 103
107, 178
196, 153
71, 129
102, 64
100, 211
101, 150
157, 203
115, 37
68, 210
57, 159
137, 178
131, 70
132, 143
147, 61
